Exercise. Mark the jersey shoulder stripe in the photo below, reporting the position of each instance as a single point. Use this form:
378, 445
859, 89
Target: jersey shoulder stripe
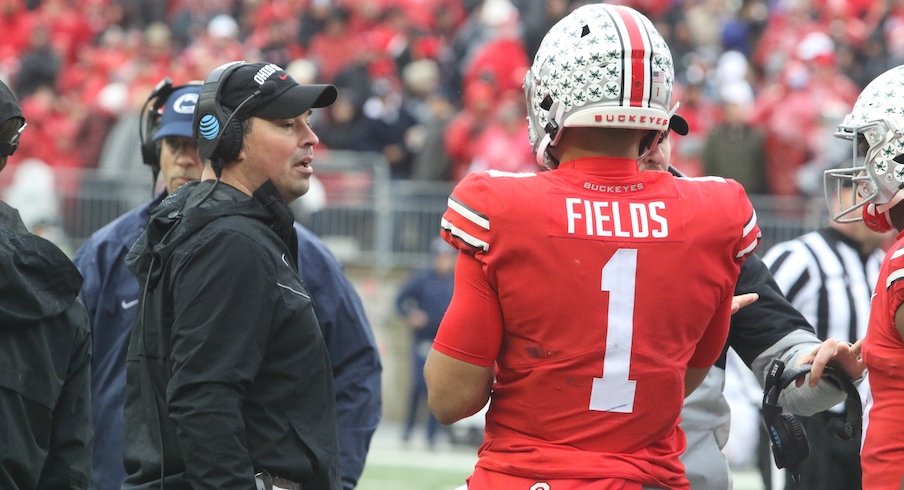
895, 267
467, 213
515, 175
454, 234
731, 196
708, 178
751, 224
466, 223
750, 236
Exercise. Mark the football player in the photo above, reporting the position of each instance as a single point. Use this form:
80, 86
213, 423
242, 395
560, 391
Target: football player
875, 128
590, 299
771, 328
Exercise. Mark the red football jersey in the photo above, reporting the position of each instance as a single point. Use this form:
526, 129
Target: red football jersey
882, 455
592, 288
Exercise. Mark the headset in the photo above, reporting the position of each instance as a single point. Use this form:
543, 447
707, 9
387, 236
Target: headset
150, 121
9, 147
219, 136
786, 434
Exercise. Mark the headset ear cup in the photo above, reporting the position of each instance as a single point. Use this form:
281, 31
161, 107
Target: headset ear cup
215, 142
230, 139
796, 440
150, 153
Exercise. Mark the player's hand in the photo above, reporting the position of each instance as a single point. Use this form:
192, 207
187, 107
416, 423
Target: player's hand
743, 300
840, 355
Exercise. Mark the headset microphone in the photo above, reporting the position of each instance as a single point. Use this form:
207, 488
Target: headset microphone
266, 88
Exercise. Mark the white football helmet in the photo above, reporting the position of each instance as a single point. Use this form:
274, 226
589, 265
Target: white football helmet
602, 65
875, 128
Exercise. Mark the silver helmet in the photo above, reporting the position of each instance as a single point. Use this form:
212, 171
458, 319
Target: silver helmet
875, 128
600, 66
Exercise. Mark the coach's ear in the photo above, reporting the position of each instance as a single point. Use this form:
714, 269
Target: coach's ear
649, 143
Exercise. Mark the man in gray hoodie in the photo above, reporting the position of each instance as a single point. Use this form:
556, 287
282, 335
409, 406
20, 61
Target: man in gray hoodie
45, 350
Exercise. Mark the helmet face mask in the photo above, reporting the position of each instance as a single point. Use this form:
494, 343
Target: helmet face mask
600, 66
857, 174
875, 129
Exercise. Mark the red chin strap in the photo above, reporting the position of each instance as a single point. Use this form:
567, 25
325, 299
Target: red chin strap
874, 220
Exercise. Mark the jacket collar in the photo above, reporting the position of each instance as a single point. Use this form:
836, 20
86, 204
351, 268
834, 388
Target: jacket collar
281, 216
9, 218
182, 214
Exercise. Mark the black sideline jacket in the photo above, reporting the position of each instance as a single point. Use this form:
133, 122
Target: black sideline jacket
45, 363
227, 370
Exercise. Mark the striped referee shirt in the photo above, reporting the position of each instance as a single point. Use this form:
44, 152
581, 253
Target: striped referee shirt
824, 276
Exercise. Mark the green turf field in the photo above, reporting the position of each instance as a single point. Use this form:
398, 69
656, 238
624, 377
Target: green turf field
392, 465
408, 477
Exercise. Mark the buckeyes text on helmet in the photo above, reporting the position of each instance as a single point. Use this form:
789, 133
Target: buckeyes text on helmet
600, 66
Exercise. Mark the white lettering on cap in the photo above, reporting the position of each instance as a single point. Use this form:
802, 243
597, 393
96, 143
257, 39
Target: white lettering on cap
186, 103
264, 73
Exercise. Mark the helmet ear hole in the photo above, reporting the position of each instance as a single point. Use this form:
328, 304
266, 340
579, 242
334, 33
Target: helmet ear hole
547, 103
554, 127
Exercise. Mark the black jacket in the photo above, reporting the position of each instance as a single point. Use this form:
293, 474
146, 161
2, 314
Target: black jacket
45, 360
226, 365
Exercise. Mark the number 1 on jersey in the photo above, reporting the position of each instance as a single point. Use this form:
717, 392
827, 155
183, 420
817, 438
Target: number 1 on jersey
614, 392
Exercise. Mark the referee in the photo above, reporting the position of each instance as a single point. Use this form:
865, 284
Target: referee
828, 275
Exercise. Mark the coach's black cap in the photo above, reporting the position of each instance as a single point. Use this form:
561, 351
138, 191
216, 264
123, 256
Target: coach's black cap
281, 97
678, 124
9, 105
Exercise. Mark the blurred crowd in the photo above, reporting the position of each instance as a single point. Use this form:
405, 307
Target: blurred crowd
435, 85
